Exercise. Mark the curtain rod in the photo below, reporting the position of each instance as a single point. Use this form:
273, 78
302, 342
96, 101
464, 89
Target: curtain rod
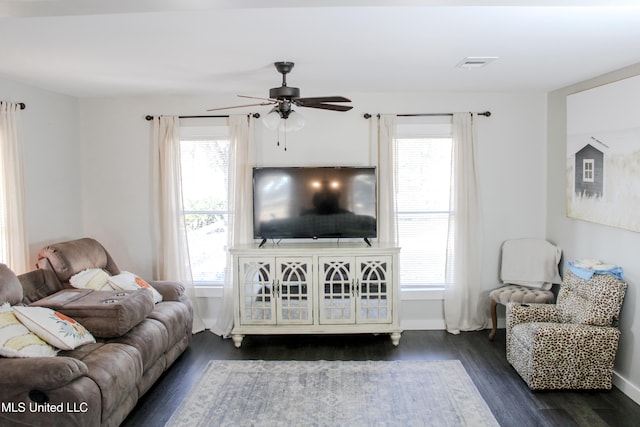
255, 115
485, 113
22, 105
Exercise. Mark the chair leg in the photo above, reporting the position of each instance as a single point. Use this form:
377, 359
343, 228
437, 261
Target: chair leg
494, 320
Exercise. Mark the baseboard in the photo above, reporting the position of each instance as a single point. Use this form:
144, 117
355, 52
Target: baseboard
631, 390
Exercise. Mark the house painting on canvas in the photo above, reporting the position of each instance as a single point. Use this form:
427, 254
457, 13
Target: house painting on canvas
603, 154
589, 172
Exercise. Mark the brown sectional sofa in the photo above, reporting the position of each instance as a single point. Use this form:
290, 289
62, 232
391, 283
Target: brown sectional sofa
96, 384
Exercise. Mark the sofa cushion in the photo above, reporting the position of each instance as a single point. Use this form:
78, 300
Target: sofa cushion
42, 374
106, 314
116, 369
69, 258
150, 338
176, 318
10, 288
17, 341
38, 284
54, 327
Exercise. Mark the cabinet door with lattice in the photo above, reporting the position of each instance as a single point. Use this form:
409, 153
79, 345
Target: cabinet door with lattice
373, 290
336, 290
293, 290
257, 294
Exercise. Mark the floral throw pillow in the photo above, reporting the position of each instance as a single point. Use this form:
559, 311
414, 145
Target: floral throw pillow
126, 281
17, 341
53, 327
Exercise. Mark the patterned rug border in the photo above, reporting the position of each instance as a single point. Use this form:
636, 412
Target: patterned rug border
434, 393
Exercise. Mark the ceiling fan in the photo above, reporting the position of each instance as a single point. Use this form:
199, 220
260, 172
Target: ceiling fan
285, 97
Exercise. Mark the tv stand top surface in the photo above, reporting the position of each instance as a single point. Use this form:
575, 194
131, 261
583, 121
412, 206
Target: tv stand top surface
264, 241
315, 246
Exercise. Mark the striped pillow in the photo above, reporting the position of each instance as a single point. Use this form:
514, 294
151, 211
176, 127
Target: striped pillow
92, 278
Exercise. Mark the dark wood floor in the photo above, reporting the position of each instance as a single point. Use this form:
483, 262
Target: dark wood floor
511, 402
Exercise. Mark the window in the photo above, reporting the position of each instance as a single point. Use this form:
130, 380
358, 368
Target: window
424, 183
204, 153
587, 170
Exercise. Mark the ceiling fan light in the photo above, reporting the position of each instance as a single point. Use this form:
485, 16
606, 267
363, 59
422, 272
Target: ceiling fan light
294, 123
271, 120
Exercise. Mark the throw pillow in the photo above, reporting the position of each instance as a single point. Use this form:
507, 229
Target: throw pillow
55, 328
17, 341
596, 301
127, 281
92, 278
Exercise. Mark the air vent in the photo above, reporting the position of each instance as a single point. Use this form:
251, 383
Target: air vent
476, 61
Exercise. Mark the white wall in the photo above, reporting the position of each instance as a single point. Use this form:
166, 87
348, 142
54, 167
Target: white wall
87, 174
581, 239
116, 174
51, 164
87, 165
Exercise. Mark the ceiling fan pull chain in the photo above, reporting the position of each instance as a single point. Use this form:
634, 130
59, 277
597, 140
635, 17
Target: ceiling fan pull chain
285, 135
278, 135
278, 127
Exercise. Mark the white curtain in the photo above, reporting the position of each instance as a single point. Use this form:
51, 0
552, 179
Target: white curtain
462, 309
387, 178
14, 249
240, 222
172, 252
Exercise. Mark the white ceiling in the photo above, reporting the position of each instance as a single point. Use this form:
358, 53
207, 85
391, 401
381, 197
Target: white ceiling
89, 48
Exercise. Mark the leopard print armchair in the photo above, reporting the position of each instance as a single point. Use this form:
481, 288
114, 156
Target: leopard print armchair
571, 344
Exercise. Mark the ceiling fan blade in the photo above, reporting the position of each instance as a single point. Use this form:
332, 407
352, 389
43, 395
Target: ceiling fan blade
273, 101
319, 100
328, 107
241, 106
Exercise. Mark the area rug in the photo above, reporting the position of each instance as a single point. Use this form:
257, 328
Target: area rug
333, 393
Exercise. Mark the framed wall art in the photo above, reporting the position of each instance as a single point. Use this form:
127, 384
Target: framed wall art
603, 154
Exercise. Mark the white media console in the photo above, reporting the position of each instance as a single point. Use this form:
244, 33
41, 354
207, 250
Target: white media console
315, 288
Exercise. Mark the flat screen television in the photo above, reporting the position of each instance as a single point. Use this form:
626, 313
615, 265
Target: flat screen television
314, 203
